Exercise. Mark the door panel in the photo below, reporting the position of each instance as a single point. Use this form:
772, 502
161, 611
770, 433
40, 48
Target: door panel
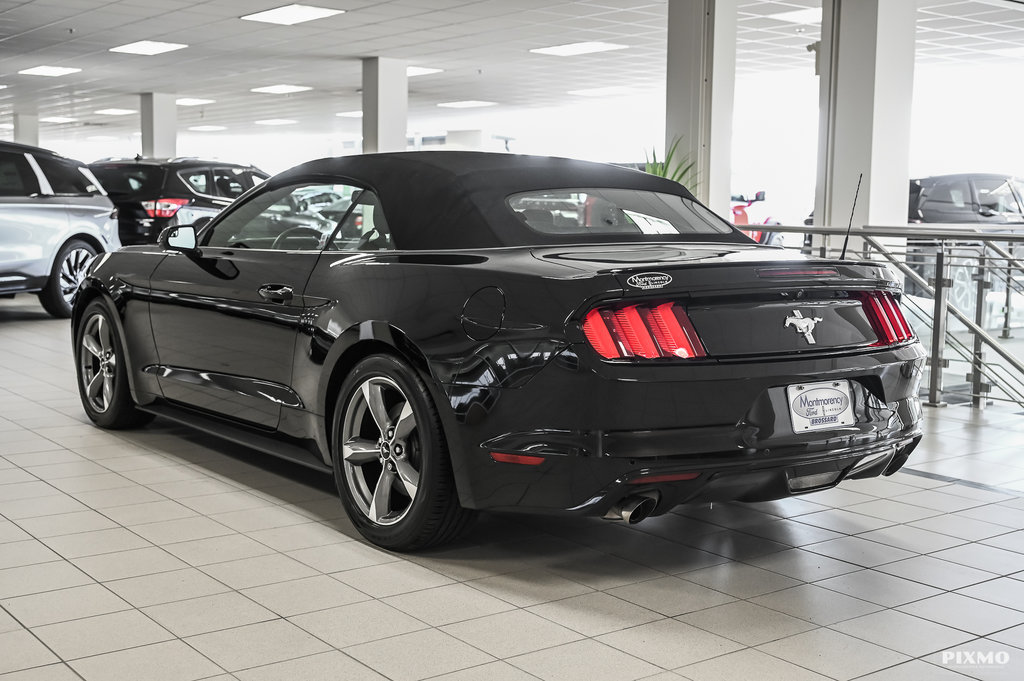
225, 343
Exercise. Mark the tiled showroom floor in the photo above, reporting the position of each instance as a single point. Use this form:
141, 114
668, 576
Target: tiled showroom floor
161, 554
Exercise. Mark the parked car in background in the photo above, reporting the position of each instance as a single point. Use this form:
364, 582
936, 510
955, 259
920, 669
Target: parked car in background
741, 218
493, 331
54, 219
153, 193
973, 198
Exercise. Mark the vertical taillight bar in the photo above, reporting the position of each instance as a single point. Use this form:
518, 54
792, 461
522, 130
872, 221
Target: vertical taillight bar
886, 317
642, 331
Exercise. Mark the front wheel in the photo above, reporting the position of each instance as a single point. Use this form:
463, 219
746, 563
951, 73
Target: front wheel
68, 270
391, 459
102, 371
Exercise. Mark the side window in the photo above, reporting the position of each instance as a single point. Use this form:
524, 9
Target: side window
363, 227
997, 196
198, 180
948, 197
16, 176
283, 219
230, 182
66, 177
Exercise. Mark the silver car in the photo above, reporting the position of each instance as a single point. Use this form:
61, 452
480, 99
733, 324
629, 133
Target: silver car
54, 219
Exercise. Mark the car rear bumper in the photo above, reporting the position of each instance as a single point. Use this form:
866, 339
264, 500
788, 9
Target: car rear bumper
606, 439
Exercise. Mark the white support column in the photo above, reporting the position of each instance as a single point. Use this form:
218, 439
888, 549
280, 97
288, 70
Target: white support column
866, 91
26, 128
385, 104
700, 81
159, 124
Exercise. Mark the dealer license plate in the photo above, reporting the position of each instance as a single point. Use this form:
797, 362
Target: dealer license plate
818, 406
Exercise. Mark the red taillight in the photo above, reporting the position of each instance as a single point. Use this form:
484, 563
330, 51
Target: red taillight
163, 208
642, 330
886, 317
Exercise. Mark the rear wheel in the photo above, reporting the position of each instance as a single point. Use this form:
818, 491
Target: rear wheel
69, 268
391, 460
102, 371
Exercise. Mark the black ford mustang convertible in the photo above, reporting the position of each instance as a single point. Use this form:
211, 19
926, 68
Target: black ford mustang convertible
464, 331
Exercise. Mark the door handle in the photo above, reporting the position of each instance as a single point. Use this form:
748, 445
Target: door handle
276, 293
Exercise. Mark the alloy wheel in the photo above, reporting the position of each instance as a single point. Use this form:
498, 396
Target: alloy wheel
72, 271
381, 452
97, 361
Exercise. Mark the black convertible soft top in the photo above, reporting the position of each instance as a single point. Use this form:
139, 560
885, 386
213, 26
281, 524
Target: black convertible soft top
457, 199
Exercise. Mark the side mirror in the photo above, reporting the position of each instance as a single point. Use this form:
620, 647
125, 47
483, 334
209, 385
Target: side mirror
759, 196
987, 212
179, 238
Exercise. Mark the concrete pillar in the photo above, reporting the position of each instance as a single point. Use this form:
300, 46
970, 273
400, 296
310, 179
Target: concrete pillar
159, 124
26, 128
385, 104
466, 140
700, 80
866, 90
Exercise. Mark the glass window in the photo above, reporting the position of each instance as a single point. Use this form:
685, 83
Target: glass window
231, 182
363, 227
16, 176
996, 195
947, 201
282, 219
198, 180
613, 211
66, 177
129, 179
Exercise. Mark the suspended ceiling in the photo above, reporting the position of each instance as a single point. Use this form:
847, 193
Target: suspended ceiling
482, 46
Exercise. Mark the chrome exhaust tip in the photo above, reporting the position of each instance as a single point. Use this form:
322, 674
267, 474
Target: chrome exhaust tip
633, 509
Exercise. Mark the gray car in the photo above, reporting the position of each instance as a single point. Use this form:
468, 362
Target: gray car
54, 219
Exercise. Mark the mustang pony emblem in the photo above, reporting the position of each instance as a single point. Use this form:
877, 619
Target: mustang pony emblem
804, 325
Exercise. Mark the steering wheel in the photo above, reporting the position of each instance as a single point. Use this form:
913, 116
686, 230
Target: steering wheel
297, 231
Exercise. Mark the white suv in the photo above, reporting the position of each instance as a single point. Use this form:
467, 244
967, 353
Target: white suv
54, 219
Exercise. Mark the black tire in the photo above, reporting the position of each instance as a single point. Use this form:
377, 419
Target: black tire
68, 269
392, 467
102, 371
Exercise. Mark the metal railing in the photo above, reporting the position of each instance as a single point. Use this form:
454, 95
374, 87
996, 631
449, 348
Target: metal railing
964, 290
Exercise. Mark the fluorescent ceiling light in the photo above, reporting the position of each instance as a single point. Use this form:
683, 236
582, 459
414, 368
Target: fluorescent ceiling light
292, 14
281, 89
466, 104
350, 114
148, 47
811, 15
57, 119
573, 49
51, 71
412, 71
116, 112
193, 101
6, 126
603, 91
276, 121
207, 128
3, 87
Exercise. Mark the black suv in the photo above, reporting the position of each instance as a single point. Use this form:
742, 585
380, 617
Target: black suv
153, 193
978, 198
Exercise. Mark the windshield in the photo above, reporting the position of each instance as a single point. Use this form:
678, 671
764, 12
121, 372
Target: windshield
129, 179
607, 212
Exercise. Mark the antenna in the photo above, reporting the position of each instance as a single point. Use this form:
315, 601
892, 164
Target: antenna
846, 241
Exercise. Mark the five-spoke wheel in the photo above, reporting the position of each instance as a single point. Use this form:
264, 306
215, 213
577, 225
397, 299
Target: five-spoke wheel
97, 362
381, 452
391, 458
102, 370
